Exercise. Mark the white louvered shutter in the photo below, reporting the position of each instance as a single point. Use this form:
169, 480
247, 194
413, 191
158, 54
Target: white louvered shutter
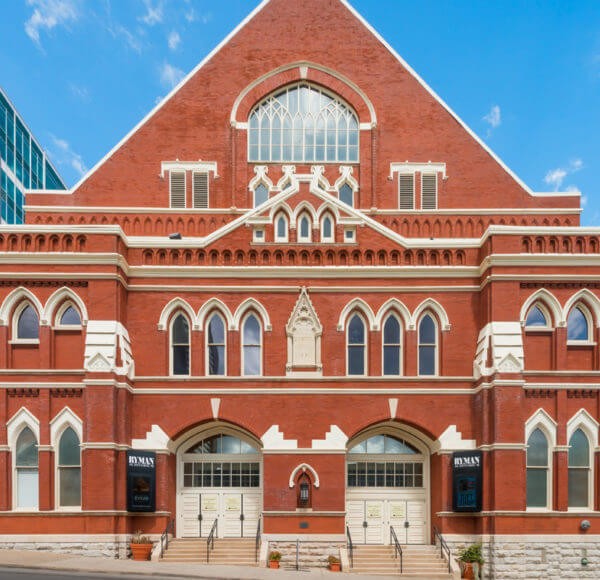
407, 190
200, 190
177, 189
429, 191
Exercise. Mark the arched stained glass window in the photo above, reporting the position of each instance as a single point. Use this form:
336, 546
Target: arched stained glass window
215, 342
427, 346
281, 228
302, 123
28, 325
391, 346
536, 318
356, 346
69, 469
579, 470
251, 337
180, 345
537, 470
577, 325
305, 229
26, 464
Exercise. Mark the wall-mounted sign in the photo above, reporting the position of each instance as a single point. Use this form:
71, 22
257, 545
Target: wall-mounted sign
373, 511
467, 481
141, 481
233, 504
397, 511
209, 503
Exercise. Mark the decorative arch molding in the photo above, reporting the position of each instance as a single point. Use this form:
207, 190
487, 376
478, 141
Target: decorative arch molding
393, 305
297, 72
21, 419
356, 304
436, 308
260, 176
57, 298
251, 304
542, 420
551, 303
424, 443
346, 177
211, 305
304, 467
208, 429
584, 421
13, 299
63, 420
284, 208
330, 208
588, 299
172, 307
305, 207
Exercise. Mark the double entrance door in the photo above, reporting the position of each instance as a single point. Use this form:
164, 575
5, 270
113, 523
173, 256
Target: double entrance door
370, 519
237, 513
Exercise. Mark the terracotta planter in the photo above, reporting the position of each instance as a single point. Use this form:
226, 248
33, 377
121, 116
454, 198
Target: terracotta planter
141, 551
337, 567
273, 563
468, 570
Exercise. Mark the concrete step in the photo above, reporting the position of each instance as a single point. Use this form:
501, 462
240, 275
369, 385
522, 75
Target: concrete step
231, 551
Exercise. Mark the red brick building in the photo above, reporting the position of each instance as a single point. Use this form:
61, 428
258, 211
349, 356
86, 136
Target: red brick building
301, 273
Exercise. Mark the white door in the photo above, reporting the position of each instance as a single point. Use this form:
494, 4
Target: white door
239, 514
374, 516
417, 522
355, 516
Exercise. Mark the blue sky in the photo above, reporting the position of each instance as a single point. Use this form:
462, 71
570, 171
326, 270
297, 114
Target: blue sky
523, 74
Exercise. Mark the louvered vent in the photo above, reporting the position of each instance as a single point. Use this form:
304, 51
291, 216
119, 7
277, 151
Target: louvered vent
201, 190
429, 191
177, 188
407, 191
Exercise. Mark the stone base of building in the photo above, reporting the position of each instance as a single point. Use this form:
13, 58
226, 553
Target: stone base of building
311, 554
102, 545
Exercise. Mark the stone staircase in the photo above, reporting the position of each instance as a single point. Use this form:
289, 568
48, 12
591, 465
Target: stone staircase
230, 551
310, 554
420, 562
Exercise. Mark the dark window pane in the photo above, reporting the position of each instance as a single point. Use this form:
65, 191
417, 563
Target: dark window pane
536, 318
579, 450
181, 330
28, 325
346, 194
304, 227
356, 360
70, 486
69, 452
251, 330
216, 360
427, 330
356, 330
577, 325
27, 451
261, 195
537, 449
181, 360
536, 488
70, 317
427, 360
216, 330
391, 331
327, 227
391, 360
578, 488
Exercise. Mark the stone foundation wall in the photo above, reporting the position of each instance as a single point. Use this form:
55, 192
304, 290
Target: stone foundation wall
101, 548
310, 554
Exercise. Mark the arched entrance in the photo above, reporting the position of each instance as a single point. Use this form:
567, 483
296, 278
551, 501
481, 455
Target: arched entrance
219, 477
387, 485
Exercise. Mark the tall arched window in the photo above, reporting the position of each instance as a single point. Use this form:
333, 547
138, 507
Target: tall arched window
536, 318
578, 325
215, 346
180, 346
69, 469
281, 228
252, 346
327, 229
346, 194
26, 466
356, 347
392, 341
303, 123
427, 346
579, 470
261, 194
304, 229
537, 470
28, 324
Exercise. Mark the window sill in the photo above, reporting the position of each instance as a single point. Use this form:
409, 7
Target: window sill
70, 509
580, 343
67, 328
539, 329
25, 341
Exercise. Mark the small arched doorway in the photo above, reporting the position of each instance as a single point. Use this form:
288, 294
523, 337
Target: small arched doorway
219, 477
387, 485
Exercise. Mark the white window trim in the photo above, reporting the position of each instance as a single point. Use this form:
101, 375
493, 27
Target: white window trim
61, 311
256, 238
384, 344
365, 344
590, 325
350, 240
301, 238
544, 309
324, 238
278, 238
206, 344
15, 324
261, 345
589, 469
176, 313
436, 361
590, 427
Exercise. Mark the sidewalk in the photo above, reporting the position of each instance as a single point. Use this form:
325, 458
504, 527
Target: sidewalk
70, 563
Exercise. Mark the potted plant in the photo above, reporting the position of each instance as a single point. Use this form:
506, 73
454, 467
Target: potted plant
141, 546
471, 561
274, 559
334, 564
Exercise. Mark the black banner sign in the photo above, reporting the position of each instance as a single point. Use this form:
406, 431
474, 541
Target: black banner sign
467, 481
141, 481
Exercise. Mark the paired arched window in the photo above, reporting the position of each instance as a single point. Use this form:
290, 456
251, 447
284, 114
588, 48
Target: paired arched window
579, 324
392, 346
537, 470
216, 343
27, 472
304, 228
69, 469
356, 346
180, 345
428, 339
28, 323
261, 194
327, 231
537, 317
302, 123
579, 470
251, 346
281, 228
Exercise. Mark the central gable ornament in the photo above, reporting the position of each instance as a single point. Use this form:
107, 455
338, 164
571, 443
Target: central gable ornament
304, 332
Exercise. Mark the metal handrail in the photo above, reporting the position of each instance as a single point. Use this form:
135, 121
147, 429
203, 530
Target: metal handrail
350, 546
397, 546
257, 541
164, 537
210, 541
297, 554
443, 547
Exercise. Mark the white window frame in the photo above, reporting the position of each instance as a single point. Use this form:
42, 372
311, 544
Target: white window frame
400, 345
258, 238
278, 238
304, 239
436, 358
590, 325
352, 239
324, 238
589, 469
365, 344
174, 316
260, 345
545, 311
61, 311
206, 343
15, 324
547, 468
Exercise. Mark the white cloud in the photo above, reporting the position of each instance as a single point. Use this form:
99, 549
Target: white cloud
154, 14
80, 92
192, 16
494, 117
555, 177
117, 30
47, 14
62, 154
174, 40
170, 75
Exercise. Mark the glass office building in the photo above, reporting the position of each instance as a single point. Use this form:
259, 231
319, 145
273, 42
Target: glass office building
23, 164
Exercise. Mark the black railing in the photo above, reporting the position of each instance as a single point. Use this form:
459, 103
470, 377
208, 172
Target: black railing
297, 554
443, 547
164, 537
210, 541
257, 541
350, 547
397, 547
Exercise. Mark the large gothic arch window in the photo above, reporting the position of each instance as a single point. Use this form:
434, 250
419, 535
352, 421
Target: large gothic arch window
303, 123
